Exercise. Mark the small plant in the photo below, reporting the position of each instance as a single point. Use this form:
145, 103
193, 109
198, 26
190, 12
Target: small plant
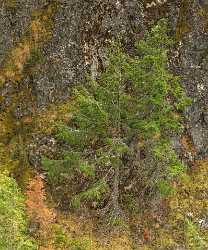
94, 193
63, 241
131, 203
194, 241
165, 188
187, 207
79, 244
60, 238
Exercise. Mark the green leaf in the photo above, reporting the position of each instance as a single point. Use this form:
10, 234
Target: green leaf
87, 169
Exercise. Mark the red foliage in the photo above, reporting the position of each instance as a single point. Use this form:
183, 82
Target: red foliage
37, 209
146, 234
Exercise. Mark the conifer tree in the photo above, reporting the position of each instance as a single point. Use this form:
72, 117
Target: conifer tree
135, 99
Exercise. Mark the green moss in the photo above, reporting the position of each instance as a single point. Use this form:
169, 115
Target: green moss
64, 241
14, 134
6, 127
60, 238
187, 206
36, 57
79, 244
22, 172
193, 239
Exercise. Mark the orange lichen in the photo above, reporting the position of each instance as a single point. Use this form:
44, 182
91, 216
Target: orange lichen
38, 32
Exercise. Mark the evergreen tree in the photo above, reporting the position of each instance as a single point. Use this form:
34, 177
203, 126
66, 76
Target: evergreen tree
135, 100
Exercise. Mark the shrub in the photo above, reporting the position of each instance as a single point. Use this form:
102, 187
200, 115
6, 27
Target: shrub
13, 223
41, 217
193, 239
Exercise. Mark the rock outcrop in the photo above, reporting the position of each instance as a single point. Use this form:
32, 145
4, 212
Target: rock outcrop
53, 44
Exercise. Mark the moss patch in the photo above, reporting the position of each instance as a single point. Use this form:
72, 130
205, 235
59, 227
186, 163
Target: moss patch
187, 210
72, 232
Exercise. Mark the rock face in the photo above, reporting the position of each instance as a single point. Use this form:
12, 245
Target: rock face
81, 32
191, 63
14, 19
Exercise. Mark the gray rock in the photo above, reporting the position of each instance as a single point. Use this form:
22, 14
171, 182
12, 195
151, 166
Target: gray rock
192, 66
82, 32
14, 19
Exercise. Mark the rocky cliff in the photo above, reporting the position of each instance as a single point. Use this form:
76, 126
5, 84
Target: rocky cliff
48, 46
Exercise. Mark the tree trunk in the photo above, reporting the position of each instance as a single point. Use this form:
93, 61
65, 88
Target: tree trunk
115, 193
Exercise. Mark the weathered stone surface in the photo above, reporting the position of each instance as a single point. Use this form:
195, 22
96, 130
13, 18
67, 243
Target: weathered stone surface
83, 30
15, 16
191, 63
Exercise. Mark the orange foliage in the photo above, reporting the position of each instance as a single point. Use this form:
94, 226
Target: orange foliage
146, 234
37, 210
188, 145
